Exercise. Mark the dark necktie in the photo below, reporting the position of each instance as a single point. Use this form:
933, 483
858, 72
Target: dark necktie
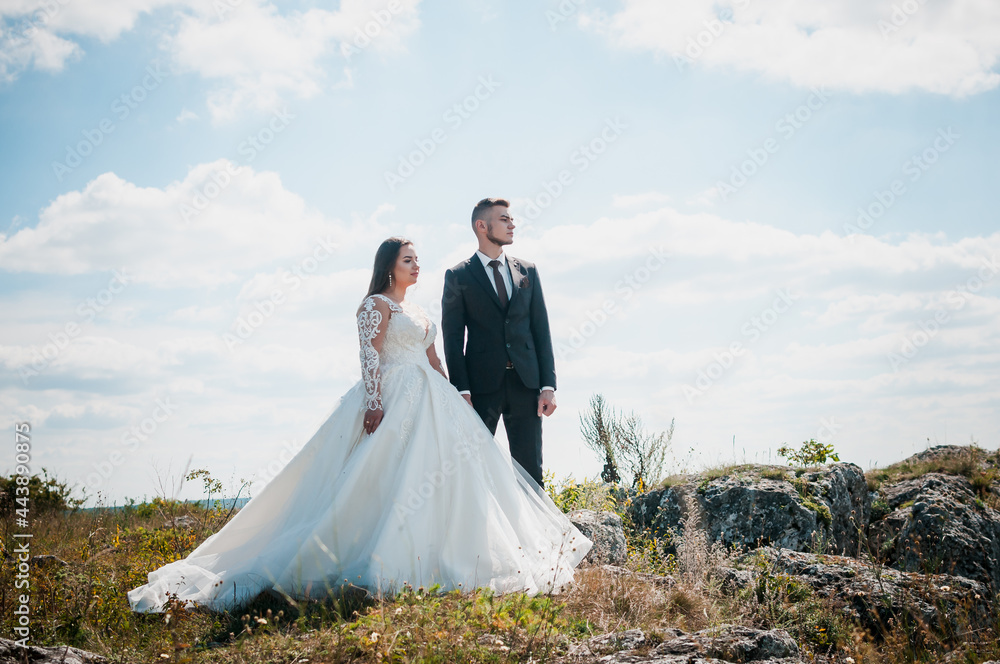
498, 280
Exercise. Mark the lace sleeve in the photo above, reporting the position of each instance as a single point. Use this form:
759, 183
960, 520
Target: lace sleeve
371, 332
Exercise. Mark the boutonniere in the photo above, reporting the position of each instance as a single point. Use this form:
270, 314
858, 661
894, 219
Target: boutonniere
524, 283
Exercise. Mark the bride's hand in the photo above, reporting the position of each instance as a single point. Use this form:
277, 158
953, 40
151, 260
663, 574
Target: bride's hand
373, 418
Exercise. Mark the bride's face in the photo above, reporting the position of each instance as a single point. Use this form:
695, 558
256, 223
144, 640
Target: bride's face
407, 267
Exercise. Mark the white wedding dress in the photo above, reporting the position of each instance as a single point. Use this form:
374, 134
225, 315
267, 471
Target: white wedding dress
429, 498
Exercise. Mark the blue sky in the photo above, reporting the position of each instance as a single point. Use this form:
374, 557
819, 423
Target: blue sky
723, 183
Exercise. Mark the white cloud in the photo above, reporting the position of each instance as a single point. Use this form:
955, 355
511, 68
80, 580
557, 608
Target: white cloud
186, 116
198, 314
258, 55
950, 47
636, 200
706, 198
254, 54
39, 33
25, 47
114, 224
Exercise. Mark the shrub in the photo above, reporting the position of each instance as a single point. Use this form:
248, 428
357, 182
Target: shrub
569, 495
623, 442
982, 482
46, 495
880, 509
811, 453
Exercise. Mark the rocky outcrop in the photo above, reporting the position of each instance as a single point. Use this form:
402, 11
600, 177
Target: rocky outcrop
938, 523
870, 594
725, 643
753, 506
11, 652
605, 530
921, 543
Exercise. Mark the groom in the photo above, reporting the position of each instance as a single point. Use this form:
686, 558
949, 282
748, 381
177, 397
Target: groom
496, 336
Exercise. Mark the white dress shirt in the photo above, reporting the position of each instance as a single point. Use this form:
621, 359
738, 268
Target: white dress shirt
504, 272
508, 284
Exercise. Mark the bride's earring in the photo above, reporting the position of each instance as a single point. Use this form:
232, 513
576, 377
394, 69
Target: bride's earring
390, 281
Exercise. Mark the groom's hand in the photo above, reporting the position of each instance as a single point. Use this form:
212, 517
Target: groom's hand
468, 398
546, 403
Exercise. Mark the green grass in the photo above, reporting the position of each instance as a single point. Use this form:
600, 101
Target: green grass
774, 474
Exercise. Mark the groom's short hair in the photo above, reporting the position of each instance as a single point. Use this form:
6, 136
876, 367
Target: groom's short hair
484, 205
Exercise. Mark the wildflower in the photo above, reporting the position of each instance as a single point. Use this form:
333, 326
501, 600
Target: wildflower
261, 621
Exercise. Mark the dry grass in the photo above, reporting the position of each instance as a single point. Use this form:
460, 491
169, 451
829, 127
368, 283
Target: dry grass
608, 602
971, 461
106, 553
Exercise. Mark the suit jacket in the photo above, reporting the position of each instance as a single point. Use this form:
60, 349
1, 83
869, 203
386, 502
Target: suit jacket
480, 337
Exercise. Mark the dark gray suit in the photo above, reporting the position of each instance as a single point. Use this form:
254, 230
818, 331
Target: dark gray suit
481, 337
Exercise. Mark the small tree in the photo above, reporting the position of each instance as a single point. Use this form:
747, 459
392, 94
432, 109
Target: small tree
812, 453
598, 429
623, 442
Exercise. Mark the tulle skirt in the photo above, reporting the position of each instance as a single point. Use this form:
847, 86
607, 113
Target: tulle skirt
429, 498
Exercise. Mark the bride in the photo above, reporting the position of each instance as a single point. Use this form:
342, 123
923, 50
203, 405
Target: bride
403, 484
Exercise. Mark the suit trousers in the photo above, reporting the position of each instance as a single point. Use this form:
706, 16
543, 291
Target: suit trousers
519, 406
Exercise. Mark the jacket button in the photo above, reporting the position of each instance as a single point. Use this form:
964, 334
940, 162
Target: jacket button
507, 320
508, 345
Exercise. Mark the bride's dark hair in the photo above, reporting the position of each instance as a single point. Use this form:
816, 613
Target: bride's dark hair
385, 260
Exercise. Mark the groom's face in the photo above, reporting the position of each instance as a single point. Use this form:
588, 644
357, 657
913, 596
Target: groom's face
499, 226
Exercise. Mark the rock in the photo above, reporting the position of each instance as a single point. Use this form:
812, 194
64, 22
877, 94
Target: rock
937, 525
605, 530
732, 643
876, 596
844, 490
726, 643
759, 505
13, 653
490, 640
607, 643
660, 582
736, 579
183, 521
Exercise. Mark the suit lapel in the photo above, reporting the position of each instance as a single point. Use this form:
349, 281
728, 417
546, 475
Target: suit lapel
515, 278
479, 274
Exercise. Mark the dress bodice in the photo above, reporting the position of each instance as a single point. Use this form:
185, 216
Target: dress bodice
403, 339
408, 334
